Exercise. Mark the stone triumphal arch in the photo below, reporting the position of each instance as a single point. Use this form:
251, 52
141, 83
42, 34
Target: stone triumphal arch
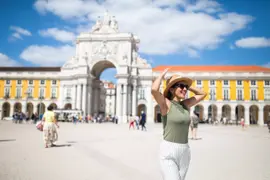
101, 48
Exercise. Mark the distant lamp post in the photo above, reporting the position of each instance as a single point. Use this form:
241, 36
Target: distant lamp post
212, 94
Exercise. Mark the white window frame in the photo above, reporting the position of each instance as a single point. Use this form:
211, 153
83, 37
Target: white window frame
267, 89
9, 82
7, 89
212, 90
18, 82
242, 84
29, 82
53, 88
253, 85
40, 94
30, 91
42, 84
68, 92
223, 94
256, 94
226, 84
242, 98
212, 81
55, 82
18, 95
265, 83
199, 85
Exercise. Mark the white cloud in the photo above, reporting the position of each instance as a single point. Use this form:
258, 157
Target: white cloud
164, 26
253, 42
59, 35
48, 55
6, 61
19, 32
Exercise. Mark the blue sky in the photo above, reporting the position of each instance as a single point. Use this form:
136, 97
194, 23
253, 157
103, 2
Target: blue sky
182, 32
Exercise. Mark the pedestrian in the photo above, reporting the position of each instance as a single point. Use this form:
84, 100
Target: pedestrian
242, 122
194, 125
50, 134
143, 120
131, 122
174, 149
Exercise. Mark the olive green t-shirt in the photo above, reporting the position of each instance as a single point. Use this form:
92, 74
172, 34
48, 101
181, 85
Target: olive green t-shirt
176, 123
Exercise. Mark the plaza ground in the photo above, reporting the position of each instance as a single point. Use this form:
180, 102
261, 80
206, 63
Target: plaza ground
112, 152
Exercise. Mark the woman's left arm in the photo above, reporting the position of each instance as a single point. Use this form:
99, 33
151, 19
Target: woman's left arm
199, 96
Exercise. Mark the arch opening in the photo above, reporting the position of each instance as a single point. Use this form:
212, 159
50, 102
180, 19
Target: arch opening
266, 113
17, 107
212, 112
157, 114
199, 109
41, 108
30, 109
104, 89
253, 114
239, 112
226, 111
140, 108
5, 110
68, 106
53, 105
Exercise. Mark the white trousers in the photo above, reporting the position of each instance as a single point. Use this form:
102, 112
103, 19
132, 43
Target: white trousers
174, 160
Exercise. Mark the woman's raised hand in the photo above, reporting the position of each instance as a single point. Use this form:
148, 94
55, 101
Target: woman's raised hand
162, 75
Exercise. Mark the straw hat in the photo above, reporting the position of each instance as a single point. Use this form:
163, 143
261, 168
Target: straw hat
174, 79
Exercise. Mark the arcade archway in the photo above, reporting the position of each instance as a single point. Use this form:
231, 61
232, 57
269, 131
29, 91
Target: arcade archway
53, 105
30, 109
266, 113
141, 107
41, 108
157, 114
226, 111
5, 110
253, 114
17, 107
212, 111
199, 110
239, 112
68, 106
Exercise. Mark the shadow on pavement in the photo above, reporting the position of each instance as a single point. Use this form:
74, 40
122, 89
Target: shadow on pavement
62, 145
6, 140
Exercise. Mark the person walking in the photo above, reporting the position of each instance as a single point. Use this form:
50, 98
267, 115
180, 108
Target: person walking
49, 129
174, 148
194, 125
143, 120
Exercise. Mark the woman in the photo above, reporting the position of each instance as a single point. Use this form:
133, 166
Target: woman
194, 125
49, 130
174, 149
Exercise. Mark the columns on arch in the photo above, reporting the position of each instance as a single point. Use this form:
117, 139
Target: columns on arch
118, 101
134, 99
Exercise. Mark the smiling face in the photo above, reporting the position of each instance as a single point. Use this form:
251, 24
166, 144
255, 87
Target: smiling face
179, 90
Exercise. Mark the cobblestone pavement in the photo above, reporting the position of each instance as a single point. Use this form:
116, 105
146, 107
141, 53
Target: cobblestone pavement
109, 151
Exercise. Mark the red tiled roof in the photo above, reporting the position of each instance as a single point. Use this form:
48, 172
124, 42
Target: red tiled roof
213, 68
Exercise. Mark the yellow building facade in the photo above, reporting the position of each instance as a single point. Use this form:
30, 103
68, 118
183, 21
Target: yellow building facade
232, 91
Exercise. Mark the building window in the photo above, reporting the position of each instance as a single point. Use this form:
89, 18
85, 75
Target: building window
253, 94
239, 82
239, 94
42, 82
7, 82
53, 93
7, 91
199, 82
253, 82
212, 82
30, 82
226, 82
212, 94
225, 94
267, 94
30, 92
68, 95
141, 94
41, 92
267, 83
19, 82
18, 92
53, 82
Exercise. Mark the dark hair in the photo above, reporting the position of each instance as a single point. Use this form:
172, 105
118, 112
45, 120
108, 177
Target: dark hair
50, 108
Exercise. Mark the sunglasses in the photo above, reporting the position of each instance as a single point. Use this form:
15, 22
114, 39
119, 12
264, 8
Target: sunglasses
180, 85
